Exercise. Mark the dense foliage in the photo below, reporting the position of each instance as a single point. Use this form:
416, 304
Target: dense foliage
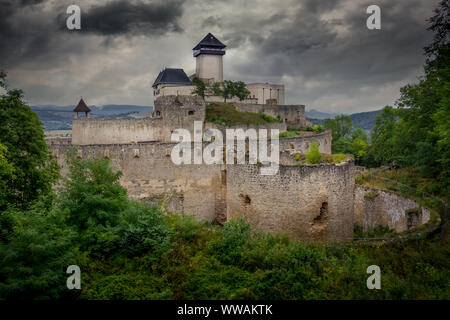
26, 152
346, 139
128, 251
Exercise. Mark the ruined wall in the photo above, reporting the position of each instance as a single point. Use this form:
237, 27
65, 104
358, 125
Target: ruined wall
375, 208
268, 126
150, 175
306, 202
171, 113
292, 115
303, 143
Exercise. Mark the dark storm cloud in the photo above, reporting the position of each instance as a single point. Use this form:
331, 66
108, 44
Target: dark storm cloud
17, 36
339, 54
125, 17
320, 49
311, 45
35, 30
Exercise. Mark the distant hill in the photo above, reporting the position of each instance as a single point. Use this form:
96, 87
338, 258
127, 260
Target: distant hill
363, 120
60, 117
314, 114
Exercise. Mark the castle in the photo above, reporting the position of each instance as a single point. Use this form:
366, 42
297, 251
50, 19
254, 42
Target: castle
308, 202
208, 54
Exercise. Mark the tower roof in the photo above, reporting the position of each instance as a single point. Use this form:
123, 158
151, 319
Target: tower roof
209, 41
172, 76
81, 107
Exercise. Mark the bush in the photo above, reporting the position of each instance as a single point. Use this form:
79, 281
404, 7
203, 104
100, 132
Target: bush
317, 128
34, 254
288, 134
143, 229
234, 235
313, 156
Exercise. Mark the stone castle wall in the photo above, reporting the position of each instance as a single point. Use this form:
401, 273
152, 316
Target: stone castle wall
150, 175
171, 113
306, 202
281, 127
107, 131
376, 208
303, 143
292, 115
141, 149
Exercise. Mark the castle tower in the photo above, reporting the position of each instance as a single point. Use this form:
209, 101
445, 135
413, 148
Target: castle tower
81, 107
208, 54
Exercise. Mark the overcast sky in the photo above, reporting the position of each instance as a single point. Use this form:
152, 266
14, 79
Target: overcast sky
321, 50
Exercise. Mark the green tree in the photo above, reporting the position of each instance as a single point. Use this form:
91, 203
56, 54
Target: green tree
341, 126
240, 90
92, 201
216, 89
200, 87
229, 89
384, 147
96, 205
6, 174
34, 254
23, 136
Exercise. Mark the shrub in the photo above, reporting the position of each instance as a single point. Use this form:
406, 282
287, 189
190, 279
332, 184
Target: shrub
317, 128
337, 158
34, 254
143, 229
230, 239
313, 156
371, 195
289, 134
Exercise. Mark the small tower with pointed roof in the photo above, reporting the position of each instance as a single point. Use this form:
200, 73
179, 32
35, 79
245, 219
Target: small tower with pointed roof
81, 107
208, 54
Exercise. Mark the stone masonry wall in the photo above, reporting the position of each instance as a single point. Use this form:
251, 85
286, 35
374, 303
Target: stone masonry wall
376, 208
107, 131
171, 113
307, 202
292, 115
303, 143
150, 175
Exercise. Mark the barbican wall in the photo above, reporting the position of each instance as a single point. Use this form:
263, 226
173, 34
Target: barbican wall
303, 143
376, 208
268, 126
313, 202
171, 113
292, 115
150, 175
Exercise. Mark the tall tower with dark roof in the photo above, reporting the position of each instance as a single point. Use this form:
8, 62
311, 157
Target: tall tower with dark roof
208, 54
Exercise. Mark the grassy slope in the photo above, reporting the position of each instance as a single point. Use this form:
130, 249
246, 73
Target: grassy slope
226, 114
